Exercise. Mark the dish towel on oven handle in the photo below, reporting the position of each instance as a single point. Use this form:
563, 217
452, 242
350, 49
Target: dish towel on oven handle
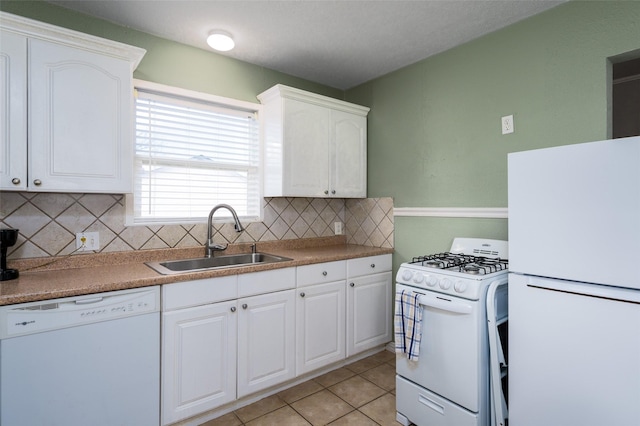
408, 324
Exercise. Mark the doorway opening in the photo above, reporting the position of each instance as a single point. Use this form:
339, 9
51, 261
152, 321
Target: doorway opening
625, 98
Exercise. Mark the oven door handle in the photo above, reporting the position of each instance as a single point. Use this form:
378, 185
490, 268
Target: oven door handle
445, 304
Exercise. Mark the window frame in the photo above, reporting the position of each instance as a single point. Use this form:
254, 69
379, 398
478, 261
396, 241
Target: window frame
162, 89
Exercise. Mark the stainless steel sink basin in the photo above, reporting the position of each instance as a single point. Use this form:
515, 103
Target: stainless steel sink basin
218, 262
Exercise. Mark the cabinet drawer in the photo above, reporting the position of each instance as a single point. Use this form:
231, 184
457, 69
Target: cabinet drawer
266, 281
418, 404
321, 273
199, 292
368, 265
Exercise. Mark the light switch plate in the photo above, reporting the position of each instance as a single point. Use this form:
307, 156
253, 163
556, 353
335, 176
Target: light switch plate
337, 228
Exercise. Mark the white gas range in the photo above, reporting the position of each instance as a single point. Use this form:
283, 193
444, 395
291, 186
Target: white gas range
450, 383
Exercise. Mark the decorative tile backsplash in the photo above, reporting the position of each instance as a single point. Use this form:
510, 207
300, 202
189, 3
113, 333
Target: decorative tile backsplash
48, 223
369, 222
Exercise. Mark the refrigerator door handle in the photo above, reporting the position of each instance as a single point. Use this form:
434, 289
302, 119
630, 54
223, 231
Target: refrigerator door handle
586, 289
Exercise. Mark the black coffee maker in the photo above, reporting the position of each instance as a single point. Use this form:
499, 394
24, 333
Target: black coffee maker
8, 238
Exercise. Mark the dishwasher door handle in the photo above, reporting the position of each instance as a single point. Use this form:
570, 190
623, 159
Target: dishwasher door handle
89, 301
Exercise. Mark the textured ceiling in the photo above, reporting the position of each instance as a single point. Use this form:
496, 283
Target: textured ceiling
337, 43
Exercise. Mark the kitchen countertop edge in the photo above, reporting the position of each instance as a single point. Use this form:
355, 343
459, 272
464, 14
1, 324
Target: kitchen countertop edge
54, 284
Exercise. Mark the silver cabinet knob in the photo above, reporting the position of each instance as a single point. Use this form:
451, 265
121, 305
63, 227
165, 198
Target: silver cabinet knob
352, 284
37, 182
244, 306
302, 294
233, 309
324, 273
326, 191
333, 191
15, 181
373, 265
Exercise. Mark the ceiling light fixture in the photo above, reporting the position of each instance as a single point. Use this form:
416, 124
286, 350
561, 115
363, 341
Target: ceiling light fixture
220, 40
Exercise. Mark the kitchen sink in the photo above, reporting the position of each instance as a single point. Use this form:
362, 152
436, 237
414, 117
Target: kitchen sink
218, 262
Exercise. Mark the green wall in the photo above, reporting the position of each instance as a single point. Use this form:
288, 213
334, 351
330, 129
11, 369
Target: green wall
434, 127
172, 63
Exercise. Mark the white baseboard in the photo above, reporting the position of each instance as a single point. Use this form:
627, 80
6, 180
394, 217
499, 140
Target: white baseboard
391, 347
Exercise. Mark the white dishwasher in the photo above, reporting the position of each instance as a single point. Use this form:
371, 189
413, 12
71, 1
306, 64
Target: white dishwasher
86, 360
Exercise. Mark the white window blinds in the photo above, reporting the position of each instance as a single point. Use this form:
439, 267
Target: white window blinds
192, 154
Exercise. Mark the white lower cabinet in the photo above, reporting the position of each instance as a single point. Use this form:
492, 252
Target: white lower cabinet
199, 360
320, 315
266, 350
222, 340
228, 337
369, 313
199, 351
320, 326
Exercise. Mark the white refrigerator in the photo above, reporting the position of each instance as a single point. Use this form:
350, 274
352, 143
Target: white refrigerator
574, 285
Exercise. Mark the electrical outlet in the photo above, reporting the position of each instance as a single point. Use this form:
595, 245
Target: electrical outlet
507, 124
337, 228
87, 241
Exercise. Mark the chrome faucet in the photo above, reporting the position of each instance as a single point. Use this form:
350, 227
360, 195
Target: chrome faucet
209, 247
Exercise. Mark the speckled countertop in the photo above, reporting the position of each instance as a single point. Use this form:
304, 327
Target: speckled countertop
43, 279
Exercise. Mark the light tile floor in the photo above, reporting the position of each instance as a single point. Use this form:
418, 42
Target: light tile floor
358, 394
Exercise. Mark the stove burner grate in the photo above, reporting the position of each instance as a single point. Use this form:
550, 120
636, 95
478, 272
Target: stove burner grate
469, 264
484, 266
443, 260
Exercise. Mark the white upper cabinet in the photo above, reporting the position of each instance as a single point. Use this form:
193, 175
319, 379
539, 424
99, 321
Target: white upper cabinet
13, 110
315, 146
80, 121
70, 108
348, 163
305, 170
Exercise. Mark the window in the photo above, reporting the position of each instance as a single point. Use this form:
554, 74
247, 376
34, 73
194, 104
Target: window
193, 151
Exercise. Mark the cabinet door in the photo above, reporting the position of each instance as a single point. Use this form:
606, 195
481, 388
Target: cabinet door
320, 326
368, 312
13, 111
306, 149
198, 360
80, 118
348, 155
266, 341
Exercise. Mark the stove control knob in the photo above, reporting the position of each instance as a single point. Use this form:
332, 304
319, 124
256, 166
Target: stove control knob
445, 284
431, 280
418, 278
460, 286
406, 275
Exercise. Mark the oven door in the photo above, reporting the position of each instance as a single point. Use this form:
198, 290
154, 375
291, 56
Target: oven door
451, 350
